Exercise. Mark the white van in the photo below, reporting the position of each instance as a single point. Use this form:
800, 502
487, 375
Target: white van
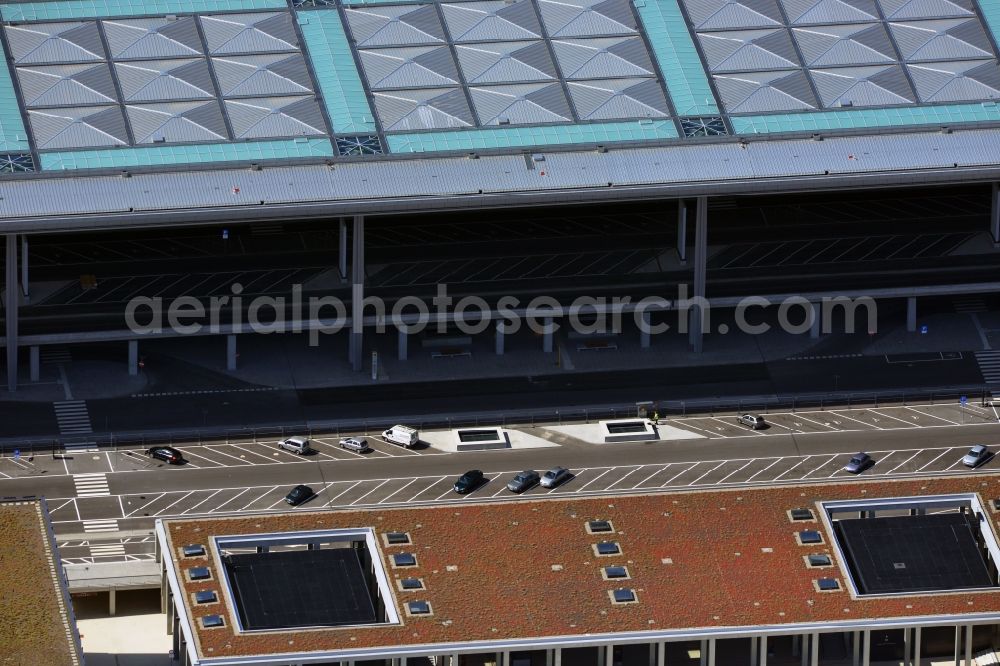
401, 435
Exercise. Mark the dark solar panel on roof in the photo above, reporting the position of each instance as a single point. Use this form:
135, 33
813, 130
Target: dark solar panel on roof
820, 560
212, 621
828, 584
802, 514
404, 560
205, 597
914, 553
624, 596
600, 526
419, 607
199, 573
194, 550
397, 538
616, 572
411, 584
300, 588
810, 536
607, 548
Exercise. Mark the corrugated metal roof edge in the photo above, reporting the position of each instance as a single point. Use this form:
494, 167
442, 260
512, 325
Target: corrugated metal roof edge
617, 175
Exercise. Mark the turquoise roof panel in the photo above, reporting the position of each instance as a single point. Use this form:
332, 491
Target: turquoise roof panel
343, 93
991, 12
861, 118
13, 136
678, 58
120, 158
519, 137
76, 9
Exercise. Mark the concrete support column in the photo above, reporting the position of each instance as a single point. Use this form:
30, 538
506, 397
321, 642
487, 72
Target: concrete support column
696, 331
454, 659
111, 602
498, 341
557, 657
703, 653
609, 658
711, 652
796, 645
916, 646
968, 645
682, 219
25, 285
549, 657
958, 643
230, 352
547, 336
644, 331
856, 643
995, 214
402, 343
602, 656
503, 658
34, 363
911, 314
804, 650
866, 648
907, 649
763, 651
133, 358
342, 256
661, 654
817, 321
357, 294
814, 650
11, 298
652, 654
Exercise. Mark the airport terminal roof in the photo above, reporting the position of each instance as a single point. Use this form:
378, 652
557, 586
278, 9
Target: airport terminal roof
36, 619
99, 86
696, 562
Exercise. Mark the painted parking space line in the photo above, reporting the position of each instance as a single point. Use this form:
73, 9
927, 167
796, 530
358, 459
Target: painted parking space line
890, 471
192, 508
736, 429
658, 469
821, 424
147, 503
908, 423
689, 467
428, 487
345, 491
188, 454
257, 499
933, 416
401, 489
261, 456
342, 453
818, 468
610, 476
762, 470
787, 471
866, 424
713, 476
369, 492
687, 424
736, 471
621, 484
214, 450
707, 473
934, 460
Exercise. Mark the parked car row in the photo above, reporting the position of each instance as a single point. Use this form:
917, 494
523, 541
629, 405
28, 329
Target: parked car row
976, 456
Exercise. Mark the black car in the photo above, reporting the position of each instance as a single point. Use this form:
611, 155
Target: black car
523, 481
167, 454
469, 481
299, 494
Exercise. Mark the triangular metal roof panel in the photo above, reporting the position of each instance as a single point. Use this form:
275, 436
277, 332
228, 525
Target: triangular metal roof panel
152, 38
263, 118
758, 92
487, 21
576, 19
393, 26
904, 10
174, 122
257, 76
152, 80
956, 81
729, 14
85, 127
944, 39
506, 62
857, 86
66, 85
409, 67
40, 43
618, 99
748, 50
807, 12
520, 104
829, 46
409, 110
228, 34
602, 58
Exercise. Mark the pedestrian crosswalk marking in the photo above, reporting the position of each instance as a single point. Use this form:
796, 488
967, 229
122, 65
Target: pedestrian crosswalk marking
110, 525
72, 417
989, 365
91, 485
970, 303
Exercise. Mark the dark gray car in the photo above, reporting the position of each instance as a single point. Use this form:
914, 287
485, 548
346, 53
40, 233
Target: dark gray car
858, 463
523, 481
299, 494
554, 477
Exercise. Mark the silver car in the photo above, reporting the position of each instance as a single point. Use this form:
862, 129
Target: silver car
976, 456
554, 477
299, 445
858, 463
752, 421
356, 444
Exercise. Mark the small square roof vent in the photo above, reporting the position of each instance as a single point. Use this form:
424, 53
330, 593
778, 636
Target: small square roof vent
205, 597
801, 514
199, 573
819, 560
615, 572
397, 538
623, 595
210, 621
194, 550
810, 536
599, 526
607, 548
827, 584
411, 584
404, 560
418, 608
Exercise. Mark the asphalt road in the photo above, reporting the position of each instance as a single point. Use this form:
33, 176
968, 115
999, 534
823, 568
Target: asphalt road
94, 496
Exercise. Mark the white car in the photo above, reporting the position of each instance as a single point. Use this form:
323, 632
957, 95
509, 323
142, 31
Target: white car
554, 477
976, 456
356, 444
299, 445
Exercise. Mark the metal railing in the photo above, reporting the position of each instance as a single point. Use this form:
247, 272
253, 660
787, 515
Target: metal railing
666, 409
